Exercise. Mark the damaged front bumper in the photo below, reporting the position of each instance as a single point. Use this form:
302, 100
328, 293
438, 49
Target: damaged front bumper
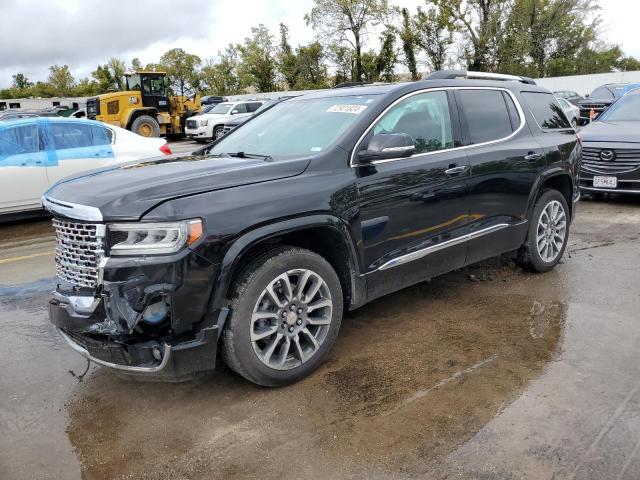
108, 327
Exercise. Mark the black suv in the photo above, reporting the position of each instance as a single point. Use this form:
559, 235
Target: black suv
255, 247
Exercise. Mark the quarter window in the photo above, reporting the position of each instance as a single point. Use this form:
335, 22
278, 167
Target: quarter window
486, 114
425, 117
19, 140
546, 110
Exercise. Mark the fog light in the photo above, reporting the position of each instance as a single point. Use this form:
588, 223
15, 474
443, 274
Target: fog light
155, 313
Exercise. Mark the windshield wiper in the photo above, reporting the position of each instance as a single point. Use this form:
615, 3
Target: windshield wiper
266, 158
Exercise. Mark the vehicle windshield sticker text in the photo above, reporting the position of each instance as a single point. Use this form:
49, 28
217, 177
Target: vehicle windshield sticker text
347, 108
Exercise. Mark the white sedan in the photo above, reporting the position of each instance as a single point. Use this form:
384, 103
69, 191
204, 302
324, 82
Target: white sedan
37, 152
570, 110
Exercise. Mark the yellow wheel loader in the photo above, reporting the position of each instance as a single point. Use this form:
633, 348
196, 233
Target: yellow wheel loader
145, 108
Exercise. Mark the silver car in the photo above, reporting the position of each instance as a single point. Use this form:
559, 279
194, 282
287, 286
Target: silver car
570, 110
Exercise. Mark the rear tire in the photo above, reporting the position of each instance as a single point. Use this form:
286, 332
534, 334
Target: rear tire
548, 233
275, 341
146, 126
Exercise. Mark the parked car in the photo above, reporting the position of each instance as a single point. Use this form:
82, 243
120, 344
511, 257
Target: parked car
212, 100
210, 125
37, 152
600, 99
265, 106
570, 110
15, 115
322, 203
569, 95
611, 149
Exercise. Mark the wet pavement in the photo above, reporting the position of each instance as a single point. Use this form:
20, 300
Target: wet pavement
484, 373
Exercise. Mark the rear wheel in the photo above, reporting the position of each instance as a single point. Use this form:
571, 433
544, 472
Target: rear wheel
146, 126
548, 233
285, 316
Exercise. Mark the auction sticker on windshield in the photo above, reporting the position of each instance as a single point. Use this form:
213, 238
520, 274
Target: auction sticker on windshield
605, 182
347, 108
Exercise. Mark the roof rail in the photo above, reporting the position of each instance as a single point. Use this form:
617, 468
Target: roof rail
453, 74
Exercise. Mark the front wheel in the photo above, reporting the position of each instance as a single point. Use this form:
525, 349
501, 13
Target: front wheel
218, 131
146, 126
285, 316
548, 233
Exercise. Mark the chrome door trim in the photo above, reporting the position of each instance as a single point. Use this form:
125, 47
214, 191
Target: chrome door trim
410, 257
72, 210
523, 122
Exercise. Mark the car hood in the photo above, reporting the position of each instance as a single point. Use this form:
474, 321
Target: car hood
127, 191
603, 131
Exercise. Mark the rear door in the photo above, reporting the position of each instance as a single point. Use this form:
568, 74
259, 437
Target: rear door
505, 163
78, 146
414, 211
23, 174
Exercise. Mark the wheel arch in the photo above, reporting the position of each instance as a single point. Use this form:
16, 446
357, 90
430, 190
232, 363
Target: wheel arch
135, 113
558, 179
325, 235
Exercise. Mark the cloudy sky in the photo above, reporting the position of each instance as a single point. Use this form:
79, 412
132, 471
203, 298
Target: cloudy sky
84, 33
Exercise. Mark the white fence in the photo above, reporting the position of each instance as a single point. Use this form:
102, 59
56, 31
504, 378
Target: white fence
584, 84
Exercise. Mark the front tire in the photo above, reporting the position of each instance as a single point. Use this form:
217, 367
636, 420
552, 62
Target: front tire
285, 315
146, 126
218, 131
548, 233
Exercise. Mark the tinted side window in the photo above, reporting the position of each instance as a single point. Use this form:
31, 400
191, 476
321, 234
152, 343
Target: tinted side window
252, 107
546, 110
19, 140
240, 108
425, 117
71, 135
100, 135
486, 114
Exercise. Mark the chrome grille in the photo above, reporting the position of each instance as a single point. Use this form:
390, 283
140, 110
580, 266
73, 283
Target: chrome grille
79, 249
624, 160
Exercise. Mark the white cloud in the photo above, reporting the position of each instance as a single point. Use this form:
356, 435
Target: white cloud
85, 33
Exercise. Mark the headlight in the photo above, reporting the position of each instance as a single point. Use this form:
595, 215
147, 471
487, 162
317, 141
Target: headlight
153, 238
204, 123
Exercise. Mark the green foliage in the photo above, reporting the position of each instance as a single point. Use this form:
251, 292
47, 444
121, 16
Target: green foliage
183, 70
21, 82
61, 81
258, 63
287, 61
311, 70
222, 77
409, 44
434, 29
347, 22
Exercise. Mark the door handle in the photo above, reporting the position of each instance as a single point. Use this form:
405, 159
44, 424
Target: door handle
456, 169
533, 156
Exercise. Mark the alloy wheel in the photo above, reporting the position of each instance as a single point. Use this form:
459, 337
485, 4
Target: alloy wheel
291, 319
552, 231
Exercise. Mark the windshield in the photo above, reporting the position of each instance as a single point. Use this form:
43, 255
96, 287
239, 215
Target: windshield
627, 109
296, 127
221, 108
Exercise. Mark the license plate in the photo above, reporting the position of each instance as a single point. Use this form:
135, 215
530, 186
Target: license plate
605, 182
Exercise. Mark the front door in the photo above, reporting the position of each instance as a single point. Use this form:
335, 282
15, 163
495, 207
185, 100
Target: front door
414, 212
23, 174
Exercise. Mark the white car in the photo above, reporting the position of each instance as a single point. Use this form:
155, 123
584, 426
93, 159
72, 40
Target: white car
36, 152
210, 125
570, 110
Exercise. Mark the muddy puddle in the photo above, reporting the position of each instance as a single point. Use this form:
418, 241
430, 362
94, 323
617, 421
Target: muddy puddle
412, 376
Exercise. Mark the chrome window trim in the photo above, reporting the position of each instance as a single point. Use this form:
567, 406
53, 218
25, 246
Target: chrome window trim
72, 210
523, 122
418, 254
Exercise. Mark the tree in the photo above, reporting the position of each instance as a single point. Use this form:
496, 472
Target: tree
61, 80
311, 71
258, 64
434, 31
483, 23
117, 68
21, 82
387, 58
287, 61
136, 64
628, 64
222, 77
183, 70
347, 21
342, 58
408, 44
104, 79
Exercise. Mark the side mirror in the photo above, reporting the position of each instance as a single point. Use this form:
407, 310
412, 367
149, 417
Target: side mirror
234, 112
586, 96
387, 145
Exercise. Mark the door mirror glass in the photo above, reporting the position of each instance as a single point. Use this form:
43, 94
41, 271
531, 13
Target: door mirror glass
234, 112
387, 145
